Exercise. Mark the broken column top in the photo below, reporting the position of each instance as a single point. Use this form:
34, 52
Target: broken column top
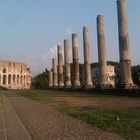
100, 24
120, 0
59, 47
100, 18
74, 35
85, 29
66, 40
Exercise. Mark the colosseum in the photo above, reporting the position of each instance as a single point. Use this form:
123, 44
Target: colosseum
14, 75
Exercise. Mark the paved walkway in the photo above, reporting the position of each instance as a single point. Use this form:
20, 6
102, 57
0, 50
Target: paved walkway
11, 127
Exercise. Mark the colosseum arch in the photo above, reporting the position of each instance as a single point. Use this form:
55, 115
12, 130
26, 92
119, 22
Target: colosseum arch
9, 79
4, 79
13, 75
14, 79
4, 70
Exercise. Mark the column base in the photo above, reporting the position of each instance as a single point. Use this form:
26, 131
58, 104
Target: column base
106, 86
126, 86
68, 84
60, 85
76, 84
88, 85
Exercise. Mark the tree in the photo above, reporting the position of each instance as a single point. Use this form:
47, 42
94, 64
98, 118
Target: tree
41, 81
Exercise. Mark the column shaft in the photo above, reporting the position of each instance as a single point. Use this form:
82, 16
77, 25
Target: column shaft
124, 49
50, 78
67, 64
60, 67
76, 78
101, 51
87, 68
55, 79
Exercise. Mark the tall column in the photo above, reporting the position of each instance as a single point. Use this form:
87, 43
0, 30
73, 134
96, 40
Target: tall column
101, 51
67, 64
76, 80
50, 78
60, 66
88, 81
55, 79
124, 48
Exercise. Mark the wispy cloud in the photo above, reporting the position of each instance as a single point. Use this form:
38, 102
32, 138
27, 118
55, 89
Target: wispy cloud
68, 31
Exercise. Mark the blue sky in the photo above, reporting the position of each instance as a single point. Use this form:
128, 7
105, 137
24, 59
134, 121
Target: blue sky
31, 29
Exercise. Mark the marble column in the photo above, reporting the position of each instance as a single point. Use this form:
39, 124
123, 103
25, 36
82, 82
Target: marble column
50, 78
101, 52
124, 46
67, 64
55, 78
87, 67
76, 78
60, 67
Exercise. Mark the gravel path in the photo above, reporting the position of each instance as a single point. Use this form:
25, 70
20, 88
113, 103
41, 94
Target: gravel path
45, 123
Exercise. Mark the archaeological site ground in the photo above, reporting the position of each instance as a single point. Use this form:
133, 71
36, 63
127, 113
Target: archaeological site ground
71, 99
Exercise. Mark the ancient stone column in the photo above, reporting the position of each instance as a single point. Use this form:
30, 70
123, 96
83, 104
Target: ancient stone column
51, 78
55, 79
60, 67
67, 63
87, 68
124, 49
76, 78
101, 51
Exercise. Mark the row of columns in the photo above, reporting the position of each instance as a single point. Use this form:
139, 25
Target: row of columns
57, 79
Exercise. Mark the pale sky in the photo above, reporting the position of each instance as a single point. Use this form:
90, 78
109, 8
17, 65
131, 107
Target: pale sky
31, 29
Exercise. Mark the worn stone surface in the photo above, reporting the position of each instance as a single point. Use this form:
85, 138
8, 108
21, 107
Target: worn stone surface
11, 127
60, 67
55, 79
50, 78
76, 80
14, 75
102, 51
124, 49
88, 81
67, 64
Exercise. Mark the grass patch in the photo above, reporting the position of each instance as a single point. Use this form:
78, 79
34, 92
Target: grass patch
125, 122
64, 93
36, 95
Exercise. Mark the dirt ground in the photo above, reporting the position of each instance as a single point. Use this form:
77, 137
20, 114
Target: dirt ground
45, 123
106, 102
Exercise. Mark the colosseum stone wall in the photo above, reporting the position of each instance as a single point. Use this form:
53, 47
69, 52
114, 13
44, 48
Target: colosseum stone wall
14, 75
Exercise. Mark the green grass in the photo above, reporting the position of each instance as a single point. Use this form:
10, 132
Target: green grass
64, 93
125, 122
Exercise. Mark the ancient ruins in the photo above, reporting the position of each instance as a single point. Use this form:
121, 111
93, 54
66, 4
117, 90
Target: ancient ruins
14, 75
124, 51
